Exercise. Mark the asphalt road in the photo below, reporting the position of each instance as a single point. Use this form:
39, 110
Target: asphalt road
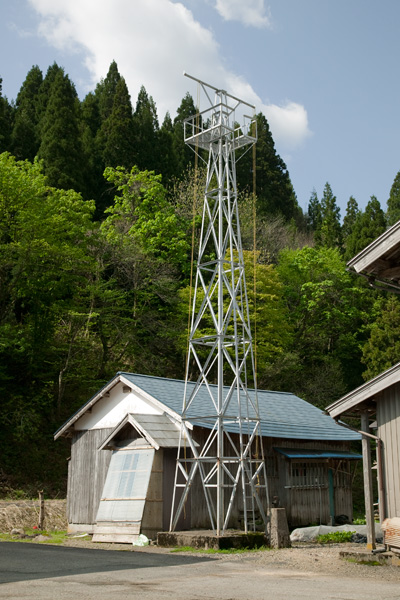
40, 572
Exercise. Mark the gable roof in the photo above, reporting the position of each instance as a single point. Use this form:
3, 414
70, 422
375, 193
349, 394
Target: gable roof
282, 414
158, 430
381, 258
369, 390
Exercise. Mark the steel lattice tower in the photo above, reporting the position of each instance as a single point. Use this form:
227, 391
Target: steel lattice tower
220, 344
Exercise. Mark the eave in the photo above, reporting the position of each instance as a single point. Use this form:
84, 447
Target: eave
380, 260
365, 394
66, 429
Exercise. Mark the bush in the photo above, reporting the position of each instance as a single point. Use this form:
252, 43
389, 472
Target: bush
337, 537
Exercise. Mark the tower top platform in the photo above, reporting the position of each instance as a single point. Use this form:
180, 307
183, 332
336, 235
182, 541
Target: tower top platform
219, 122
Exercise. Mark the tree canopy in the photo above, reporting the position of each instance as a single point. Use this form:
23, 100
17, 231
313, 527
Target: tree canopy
25, 134
393, 203
381, 350
61, 145
368, 225
5, 121
328, 231
327, 309
98, 206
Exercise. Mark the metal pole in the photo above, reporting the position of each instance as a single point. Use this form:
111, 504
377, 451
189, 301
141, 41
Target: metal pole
369, 506
220, 451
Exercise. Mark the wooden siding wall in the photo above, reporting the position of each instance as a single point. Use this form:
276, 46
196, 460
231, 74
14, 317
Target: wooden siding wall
152, 521
184, 522
86, 475
343, 479
388, 418
304, 505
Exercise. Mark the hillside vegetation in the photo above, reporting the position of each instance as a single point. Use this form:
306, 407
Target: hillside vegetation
96, 204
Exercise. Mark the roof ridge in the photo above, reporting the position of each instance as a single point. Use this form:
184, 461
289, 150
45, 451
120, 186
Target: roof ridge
193, 382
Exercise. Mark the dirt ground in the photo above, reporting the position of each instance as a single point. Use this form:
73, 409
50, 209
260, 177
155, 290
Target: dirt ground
34, 571
301, 557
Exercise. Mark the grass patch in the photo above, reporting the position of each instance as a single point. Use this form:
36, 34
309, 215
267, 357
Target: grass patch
218, 551
336, 537
55, 537
368, 563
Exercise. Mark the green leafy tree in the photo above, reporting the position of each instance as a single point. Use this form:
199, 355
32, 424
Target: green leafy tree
44, 93
117, 130
184, 154
5, 121
106, 90
61, 144
272, 330
146, 250
25, 135
328, 309
167, 158
141, 209
42, 233
90, 124
328, 233
367, 227
314, 216
393, 203
146, 130
106, 151
272, 234
274, 190
44, 266
352, 212
186, 195
382, 349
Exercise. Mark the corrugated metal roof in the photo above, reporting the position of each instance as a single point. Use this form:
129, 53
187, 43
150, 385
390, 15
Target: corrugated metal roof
282, 414
298, 453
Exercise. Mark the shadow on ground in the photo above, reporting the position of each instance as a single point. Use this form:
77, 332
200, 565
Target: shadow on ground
22, 562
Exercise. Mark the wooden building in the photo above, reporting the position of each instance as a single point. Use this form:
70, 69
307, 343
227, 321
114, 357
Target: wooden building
124, 444
377, 402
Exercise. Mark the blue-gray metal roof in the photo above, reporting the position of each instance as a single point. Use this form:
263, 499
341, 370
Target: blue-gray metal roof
301, 453
282, 414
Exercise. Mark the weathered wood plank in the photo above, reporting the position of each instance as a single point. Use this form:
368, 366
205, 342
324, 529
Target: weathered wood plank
388, 417
86, 475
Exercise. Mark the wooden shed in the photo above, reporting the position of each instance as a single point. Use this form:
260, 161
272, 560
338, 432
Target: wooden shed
124, 444
377, 402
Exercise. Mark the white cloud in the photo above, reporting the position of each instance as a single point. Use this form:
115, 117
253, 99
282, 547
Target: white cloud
153, 42
288, 123
20, 31
248, 12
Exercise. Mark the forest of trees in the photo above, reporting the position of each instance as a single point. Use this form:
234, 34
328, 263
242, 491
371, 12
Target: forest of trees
96, 203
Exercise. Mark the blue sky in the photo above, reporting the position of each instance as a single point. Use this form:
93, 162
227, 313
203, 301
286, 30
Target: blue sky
324, 72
